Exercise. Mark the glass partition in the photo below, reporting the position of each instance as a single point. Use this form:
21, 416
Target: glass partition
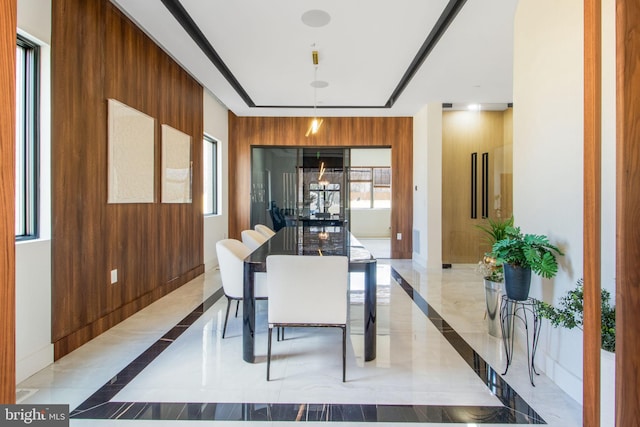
273, 186
291, 185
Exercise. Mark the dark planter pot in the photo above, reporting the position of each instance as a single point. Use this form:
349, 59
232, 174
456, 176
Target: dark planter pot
517, 281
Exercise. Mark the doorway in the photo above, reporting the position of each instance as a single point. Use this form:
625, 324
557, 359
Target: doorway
477, 171
370, 190
329, 186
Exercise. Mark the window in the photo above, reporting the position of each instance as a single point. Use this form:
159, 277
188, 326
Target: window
210, 174
370, 187
27, 125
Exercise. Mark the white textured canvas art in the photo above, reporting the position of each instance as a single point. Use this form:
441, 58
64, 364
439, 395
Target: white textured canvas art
176, 166
131, 154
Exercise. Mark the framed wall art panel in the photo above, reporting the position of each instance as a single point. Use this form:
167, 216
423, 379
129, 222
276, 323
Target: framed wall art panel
176, 166
131, 137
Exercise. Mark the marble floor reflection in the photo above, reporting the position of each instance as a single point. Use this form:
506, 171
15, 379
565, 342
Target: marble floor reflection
435, 364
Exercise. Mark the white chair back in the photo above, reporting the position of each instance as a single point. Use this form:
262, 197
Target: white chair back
307, 289
253, 239
264, 230
231, 255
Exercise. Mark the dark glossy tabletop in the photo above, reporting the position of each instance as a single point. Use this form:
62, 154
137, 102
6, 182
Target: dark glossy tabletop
312, 240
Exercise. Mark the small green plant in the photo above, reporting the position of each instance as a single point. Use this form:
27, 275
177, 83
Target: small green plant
570, 310
527, 251
495, 229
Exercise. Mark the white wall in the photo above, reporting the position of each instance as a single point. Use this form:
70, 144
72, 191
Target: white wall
34, 350
34, 17
216, 227
548, 159
370, 157
371, 223
427, 180
608, 227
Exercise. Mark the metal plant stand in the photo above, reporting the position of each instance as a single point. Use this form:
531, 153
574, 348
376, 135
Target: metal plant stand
523, 310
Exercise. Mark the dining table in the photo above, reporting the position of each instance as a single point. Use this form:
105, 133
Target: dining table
310, 241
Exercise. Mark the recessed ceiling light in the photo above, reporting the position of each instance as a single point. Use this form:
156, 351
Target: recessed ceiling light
320, 84
474, 107
316, 18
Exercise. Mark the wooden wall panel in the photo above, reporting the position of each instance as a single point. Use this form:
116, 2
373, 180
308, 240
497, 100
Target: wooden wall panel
463, 133
628, 210
393, 132
506, 180
592, 185
97, 53
8, 24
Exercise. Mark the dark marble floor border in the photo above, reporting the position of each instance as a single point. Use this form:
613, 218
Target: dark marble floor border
514, 411
496, 384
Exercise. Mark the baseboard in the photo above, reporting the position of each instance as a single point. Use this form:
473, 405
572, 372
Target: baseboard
564, 379
419, 260
33, 363
210, 264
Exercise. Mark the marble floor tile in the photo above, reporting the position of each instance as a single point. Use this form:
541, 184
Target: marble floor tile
435, 364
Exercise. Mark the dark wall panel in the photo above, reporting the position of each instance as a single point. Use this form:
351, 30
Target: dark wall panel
97, 54
394, 132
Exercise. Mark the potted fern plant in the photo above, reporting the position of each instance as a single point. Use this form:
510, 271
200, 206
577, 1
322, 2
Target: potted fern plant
520, 254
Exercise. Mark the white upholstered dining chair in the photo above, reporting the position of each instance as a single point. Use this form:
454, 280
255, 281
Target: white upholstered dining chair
253, 239
264, 230
231, 254
307, 291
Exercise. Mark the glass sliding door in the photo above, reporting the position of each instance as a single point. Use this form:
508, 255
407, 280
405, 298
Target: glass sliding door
273, 186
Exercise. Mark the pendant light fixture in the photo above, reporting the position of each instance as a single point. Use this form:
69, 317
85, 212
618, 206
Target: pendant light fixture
315, 123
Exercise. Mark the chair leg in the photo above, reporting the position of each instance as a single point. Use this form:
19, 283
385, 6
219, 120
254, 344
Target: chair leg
237, 305
226, 318
269, 352
344, 353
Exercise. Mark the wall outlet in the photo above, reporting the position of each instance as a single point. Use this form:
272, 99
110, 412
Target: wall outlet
398, 236
114, 276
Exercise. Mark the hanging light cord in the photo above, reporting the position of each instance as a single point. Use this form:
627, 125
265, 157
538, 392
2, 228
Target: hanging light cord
315, 123
315, 91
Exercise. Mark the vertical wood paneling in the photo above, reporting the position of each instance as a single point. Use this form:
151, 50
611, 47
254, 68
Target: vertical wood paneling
394, 132
463, 133
628, 211
8, 25
97, 53
506, 179
591, 212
